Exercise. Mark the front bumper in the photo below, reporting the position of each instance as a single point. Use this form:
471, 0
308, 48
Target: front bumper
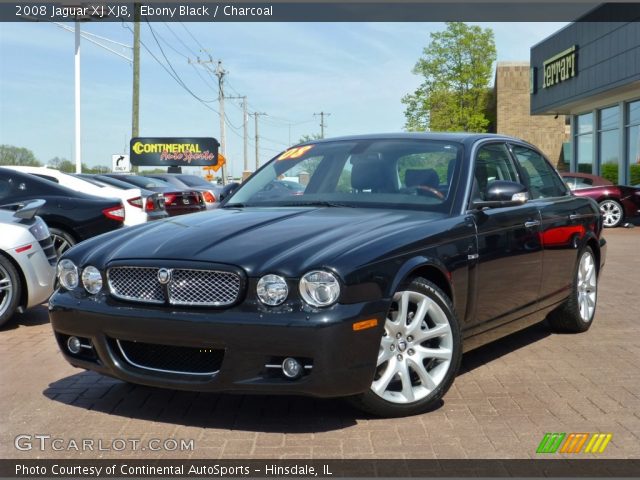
343, 360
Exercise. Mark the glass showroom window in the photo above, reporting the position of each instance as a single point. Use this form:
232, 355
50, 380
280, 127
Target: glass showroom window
584, 143
609, 143
633, 142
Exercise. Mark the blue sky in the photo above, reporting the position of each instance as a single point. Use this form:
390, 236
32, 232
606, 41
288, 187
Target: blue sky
356, 71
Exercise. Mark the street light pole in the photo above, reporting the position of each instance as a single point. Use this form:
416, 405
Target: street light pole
78, 147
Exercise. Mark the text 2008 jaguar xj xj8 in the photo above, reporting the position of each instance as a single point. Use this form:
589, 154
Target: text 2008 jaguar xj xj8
398, 253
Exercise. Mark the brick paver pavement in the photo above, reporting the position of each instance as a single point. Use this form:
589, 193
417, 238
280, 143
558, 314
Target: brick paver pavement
506, 397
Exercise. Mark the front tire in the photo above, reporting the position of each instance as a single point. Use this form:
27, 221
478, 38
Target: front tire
612, 213
419, 354
10, 289
576, 314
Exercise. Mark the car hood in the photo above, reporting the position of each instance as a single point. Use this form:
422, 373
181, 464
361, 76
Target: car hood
287, 241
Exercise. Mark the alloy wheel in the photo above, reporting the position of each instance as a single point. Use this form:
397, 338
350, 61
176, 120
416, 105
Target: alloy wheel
6, 290
587, 286
416, 349
60, 244
611, 212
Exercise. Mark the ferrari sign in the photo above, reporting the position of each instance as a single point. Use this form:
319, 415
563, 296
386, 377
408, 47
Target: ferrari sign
174, 152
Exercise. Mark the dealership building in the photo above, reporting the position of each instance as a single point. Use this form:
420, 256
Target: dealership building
590, 73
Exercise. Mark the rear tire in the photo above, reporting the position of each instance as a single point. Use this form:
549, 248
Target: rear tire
612, 213
10, 289
62, 241
576, 314
419, 354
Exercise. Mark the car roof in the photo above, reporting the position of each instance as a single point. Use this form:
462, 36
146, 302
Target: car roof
460, 137
596, 179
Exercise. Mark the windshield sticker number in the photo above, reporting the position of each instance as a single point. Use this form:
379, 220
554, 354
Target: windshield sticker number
296, 152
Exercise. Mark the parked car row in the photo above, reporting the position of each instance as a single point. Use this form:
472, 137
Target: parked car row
72, 208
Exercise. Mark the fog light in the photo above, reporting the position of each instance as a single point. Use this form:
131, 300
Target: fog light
74, 345
291, 368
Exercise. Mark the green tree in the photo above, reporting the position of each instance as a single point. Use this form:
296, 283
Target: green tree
309, 138
456, 68
10, 155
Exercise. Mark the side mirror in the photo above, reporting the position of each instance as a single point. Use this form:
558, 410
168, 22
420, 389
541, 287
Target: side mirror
503, 193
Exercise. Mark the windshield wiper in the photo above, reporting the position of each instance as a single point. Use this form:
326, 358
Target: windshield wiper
315, 203
235, 205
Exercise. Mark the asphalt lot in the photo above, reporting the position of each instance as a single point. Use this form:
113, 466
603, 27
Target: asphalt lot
507, 396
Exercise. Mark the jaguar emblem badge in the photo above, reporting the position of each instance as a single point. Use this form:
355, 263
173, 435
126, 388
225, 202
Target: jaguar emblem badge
164, 275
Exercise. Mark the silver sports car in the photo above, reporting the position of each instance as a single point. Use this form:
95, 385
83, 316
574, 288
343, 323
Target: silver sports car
27, 259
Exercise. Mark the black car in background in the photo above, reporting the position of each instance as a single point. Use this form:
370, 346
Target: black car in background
402, 252
188, 182
178, 201
71, 216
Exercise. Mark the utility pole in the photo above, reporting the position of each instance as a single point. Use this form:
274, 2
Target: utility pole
135, 107
245, 128
322, 124
220, 73
255, 117
78, 147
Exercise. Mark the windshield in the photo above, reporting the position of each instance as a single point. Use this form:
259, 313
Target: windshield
401, 173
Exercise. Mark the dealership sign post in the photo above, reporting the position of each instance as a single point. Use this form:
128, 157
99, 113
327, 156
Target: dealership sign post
174, 152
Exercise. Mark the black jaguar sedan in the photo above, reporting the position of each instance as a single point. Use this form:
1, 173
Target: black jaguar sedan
402, 252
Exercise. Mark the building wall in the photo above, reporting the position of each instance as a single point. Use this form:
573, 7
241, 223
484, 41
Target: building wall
512, 93
607, 58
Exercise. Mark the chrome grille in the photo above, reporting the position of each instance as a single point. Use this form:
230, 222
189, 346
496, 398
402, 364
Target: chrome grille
186, 286
203, 287
139, 284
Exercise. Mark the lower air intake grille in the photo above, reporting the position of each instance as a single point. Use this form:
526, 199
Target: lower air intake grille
171, 358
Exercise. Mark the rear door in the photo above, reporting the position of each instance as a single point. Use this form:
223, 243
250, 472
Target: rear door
565, 219
509, 263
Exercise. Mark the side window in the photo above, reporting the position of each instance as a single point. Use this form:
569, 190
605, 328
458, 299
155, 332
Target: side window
46, 177
493, 162
539, 177
5, 188
583, 183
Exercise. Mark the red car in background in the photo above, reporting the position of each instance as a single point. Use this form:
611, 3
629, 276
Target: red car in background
617, 202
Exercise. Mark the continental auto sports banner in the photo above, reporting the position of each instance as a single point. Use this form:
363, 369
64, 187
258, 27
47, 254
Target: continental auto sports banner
174, 152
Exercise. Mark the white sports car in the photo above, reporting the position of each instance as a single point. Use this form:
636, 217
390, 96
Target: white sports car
27, 260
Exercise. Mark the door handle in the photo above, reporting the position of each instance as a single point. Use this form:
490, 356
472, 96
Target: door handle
532, 223
574, 216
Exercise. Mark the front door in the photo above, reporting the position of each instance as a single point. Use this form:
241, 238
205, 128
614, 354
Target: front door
509, 264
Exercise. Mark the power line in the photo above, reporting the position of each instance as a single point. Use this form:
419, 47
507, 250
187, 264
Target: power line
179, 39
194, 38
176, 78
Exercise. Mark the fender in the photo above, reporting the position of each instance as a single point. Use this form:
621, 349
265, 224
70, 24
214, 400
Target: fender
416, 263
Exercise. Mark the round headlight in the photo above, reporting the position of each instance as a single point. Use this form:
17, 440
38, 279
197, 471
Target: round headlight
319, 289
67, 274
272, 290
91, 279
